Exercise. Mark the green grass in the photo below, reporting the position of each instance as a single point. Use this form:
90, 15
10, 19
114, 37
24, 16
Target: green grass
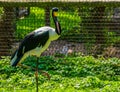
36, 19
69, 74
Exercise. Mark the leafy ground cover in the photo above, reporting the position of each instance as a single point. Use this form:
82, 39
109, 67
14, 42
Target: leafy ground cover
68, 74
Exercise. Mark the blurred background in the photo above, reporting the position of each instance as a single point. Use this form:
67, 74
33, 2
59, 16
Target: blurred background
85, 29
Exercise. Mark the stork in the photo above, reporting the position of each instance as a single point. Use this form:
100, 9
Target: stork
37, 41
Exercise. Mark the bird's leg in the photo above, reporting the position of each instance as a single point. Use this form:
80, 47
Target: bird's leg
36, 75
25, 66
42, 72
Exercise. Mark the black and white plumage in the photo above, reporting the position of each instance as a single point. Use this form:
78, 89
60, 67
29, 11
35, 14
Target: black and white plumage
37, 41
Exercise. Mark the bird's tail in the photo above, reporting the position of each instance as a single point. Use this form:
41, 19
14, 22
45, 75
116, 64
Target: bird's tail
15, 59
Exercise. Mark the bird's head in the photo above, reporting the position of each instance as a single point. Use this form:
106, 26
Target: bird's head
54, 12
57, 24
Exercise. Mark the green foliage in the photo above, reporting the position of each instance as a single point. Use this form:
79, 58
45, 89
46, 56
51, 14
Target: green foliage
68, 74
36, 19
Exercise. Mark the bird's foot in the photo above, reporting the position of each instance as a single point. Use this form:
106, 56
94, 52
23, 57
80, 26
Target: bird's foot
44, 73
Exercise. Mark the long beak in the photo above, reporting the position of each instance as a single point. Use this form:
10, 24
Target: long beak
58, 27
